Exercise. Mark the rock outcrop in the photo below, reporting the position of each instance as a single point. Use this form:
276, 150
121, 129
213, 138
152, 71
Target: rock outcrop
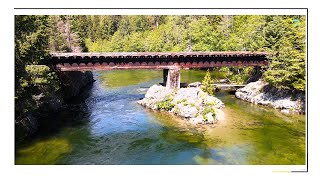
261, 92
190, 103
73, 82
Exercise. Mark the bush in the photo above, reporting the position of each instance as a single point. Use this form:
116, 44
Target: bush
166, 104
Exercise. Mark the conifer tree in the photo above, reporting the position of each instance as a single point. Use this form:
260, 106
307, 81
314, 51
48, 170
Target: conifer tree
207, 83
286, 41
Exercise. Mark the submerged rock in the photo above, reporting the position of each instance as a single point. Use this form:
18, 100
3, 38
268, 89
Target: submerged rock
190, 103
261, 92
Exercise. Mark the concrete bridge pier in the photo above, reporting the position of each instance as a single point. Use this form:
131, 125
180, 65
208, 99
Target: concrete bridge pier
171, 78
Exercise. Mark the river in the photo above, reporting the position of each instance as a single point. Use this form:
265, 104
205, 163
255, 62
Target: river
111, 128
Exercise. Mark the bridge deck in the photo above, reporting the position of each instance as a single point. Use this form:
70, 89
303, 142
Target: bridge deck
155, 60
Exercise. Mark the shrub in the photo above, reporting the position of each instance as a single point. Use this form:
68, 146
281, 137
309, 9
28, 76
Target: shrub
166, 104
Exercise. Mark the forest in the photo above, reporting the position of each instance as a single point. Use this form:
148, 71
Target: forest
284, 37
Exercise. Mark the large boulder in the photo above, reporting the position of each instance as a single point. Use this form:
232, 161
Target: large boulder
187, 95
155, 94
251, 92
186, 111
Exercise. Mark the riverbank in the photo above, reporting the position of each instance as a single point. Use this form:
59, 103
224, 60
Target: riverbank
192, 104
49, 103
261, 92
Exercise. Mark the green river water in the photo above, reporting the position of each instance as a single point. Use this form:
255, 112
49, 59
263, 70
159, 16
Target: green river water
111, 128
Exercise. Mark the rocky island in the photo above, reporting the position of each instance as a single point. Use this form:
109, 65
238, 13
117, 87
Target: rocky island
191, 103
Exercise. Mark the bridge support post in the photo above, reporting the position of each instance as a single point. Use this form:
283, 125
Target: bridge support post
165, 76
171, 78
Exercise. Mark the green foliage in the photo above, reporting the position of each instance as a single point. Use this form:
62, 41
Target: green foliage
43, 77
32, 36
203, 35
213, 103
134, 42
286, 40
31, 47
166, 104
207, 83
57, 42
242, 33
238, 75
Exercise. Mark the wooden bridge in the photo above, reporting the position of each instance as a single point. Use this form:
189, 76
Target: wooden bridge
170, 62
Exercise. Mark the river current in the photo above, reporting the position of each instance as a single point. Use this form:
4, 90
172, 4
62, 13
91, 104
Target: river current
109, 127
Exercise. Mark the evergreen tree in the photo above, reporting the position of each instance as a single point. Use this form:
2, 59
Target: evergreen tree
31, 47
57, 41
286, 41
203, 36
32, 81
134, 42
207, 83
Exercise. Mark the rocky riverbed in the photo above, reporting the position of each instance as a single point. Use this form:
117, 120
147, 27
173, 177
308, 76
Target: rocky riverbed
190, 103
261, 92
